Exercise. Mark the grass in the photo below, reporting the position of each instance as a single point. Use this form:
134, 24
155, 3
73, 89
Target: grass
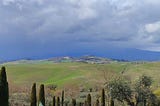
49, 73
74, 75
77, 73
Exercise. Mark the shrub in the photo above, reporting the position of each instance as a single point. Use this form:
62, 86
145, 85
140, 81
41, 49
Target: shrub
121, 90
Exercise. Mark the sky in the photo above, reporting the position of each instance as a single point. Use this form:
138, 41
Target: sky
48, 28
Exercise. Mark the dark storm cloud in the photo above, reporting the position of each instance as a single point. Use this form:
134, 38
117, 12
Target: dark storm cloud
125, 23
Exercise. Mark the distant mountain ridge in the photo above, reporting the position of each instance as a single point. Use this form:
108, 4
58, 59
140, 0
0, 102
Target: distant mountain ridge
120, 54
84, 59
124, 55
65, 59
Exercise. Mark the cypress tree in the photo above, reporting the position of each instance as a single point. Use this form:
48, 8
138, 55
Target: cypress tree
54, 101
80, 104
62, 97
112, 102
4, 91
33, 96
85, 103
103, 98
73, 102
145, 102
66, 104
89, 100
41, 96
58, 101
97, 102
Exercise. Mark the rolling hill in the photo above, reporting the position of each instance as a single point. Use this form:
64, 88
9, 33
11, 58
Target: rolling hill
65, 73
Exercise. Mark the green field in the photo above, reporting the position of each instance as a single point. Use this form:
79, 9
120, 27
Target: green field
75, 78
85, 74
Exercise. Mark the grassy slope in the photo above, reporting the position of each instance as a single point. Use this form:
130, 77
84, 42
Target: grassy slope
77, 73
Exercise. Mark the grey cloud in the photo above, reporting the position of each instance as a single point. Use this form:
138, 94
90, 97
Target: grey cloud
118, 22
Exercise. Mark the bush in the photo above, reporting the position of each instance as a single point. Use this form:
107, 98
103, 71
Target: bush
121, 90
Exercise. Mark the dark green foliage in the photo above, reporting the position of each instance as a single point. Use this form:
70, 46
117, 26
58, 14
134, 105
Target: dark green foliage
142, 94
103, 98
73, 102
80, 104
153, 100
3, 76
58, 101
62, 97
41, 95
33, 96
145, 103
66, 104
111, 102
145, 81
89, 100
121, 90
54, 101
85, 103
4, 91
143, 91
97, 102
